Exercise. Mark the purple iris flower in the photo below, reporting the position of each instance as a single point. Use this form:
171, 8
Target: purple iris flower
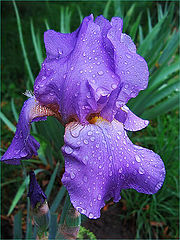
36, 194
85, 81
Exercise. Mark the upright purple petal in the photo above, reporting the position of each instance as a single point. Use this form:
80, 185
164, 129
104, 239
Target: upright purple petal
130, 120
24, 145
100, 161
78, 80
131, 67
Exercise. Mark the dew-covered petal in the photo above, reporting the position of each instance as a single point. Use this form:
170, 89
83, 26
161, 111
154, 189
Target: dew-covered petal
78, 81
130, 120
36, 194
58, 44
100, 161
131, 67
24, 145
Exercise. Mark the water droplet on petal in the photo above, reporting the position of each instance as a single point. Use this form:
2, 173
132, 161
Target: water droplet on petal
141, 170
91, 215
99, 197
114, 86
85, 179
86, 141
72, 175
158, 186
137, 158
89, 133
92, 139
100, 73
120, 170
68, 149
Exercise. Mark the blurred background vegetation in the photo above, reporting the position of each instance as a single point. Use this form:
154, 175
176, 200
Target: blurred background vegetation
153, 26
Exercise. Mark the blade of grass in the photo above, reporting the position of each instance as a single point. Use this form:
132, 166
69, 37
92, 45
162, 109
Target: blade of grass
17, 229
37, 50
58, 199
106, 9
22, 44
162, 108
51, 182
7, 122
14, 110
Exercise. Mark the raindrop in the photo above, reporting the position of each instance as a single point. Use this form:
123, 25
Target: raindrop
128, 55
72, 175
141, 170
89, 133
158, 186
114, 86
86, 141
91, 204
91, 215
110, 158
137, 158
85, 179
93, 75
72, 68
120, 170
110, 173
97, 145
68, 149
92, 139
100, 73
99, 197
84, 54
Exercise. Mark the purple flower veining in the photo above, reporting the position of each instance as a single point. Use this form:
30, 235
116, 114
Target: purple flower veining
85, 81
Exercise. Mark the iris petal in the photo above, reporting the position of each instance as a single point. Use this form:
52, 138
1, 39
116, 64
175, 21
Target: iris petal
100, 161
24, 145
78, 80
130, 120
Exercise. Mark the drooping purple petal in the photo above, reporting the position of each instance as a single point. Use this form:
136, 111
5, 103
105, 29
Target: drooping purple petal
76, 82
35, 193
130, 120
24, 145
100, 161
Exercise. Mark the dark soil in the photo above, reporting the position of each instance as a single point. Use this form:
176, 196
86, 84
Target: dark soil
110, 225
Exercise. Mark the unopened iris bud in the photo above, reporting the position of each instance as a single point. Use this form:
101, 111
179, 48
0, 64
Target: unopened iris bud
70, 227
39, 205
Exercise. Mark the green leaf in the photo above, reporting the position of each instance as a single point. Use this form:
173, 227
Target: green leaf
106, 9
80, 13
51, 182
7, 122
22, 44
46, 24
58, 199
17, 229
149, 21
128, 17
162, 108
20, 192
65, 208
135, 27
149, 39
162, 74
53, 226
170, 48
162, 93
14, 110
38, 51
